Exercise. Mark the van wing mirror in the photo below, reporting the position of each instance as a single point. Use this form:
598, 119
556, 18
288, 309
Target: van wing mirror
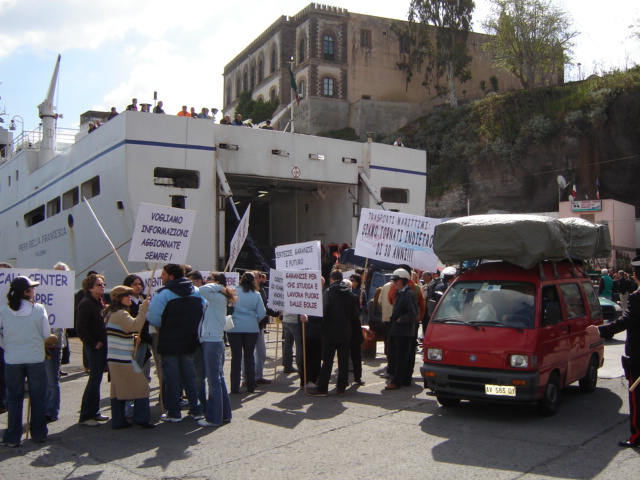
552, 314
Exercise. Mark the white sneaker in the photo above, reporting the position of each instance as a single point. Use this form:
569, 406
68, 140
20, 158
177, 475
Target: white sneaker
197, 417
166, 418
204, 423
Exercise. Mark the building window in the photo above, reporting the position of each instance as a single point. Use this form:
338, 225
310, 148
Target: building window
327, 87
252, 77
260, 69
229, 95
174, 177
238, 86
405, 44
53, 207
70, 198
90, 188
365, 38
302, 50
273, 93
274, 60
245, 82
327, 47
302, 89
394, 195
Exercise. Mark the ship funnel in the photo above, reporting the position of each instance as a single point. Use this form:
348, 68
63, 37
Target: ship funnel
47, 114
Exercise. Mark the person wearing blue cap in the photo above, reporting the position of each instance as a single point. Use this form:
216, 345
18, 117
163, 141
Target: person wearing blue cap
629, 321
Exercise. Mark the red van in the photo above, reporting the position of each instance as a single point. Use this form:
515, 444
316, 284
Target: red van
507, 334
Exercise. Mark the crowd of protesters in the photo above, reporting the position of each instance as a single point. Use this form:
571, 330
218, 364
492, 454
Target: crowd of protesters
185, 329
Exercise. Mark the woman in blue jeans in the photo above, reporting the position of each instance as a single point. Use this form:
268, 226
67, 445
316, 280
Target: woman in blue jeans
247, 313
215, 291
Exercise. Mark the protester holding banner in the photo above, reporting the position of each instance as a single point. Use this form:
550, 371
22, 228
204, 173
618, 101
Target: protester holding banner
24, 330
91, 329
125, 360
249, 310
340, 313
218, 405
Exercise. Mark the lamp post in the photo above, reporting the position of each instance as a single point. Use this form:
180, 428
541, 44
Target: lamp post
12, 125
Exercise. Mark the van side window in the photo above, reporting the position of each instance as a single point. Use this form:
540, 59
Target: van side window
551, 314
592, 300
574, 307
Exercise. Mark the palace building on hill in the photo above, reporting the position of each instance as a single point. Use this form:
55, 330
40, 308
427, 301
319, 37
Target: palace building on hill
346, 68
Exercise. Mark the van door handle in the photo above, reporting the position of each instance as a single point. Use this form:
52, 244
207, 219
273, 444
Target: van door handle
564, 329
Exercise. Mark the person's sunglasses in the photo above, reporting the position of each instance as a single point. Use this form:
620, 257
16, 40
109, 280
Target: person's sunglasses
100, 285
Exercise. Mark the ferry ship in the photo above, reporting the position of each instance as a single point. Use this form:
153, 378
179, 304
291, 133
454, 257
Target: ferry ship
300, 188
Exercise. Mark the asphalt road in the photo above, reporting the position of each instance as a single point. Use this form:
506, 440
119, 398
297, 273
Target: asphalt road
280, 433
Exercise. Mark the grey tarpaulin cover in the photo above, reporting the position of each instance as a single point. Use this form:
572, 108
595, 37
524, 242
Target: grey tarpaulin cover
586, 239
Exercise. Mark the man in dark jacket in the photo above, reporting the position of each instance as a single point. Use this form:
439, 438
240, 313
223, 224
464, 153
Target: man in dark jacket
340, 314
177, 309
402, 328
629, 321
92, 331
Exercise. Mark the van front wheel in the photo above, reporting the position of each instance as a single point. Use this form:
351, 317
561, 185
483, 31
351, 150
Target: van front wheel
448, 401
590, 380
550, 402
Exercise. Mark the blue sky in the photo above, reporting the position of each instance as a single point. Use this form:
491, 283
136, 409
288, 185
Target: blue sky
113, 50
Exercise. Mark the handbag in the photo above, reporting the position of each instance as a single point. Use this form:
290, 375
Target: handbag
228, 323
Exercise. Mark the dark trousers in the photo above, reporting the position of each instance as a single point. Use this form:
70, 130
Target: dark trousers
355, 352
411, 365
634, 407
141, 412
400, 351
313, 350
3, 386
97, 360
328, 352
242, 346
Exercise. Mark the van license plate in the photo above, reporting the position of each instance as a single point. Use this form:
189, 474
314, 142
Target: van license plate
504, 390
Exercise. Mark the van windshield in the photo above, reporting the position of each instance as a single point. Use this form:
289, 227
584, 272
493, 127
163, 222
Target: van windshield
499, 304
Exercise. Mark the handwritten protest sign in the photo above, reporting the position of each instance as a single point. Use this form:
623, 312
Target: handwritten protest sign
238, 238
397, 238
146, 278
303, 292
233, 279
161, 234
299, 256
55, 292
276, 291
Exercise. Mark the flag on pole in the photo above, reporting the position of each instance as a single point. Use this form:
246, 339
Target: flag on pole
294, 86
598, 188
574, 192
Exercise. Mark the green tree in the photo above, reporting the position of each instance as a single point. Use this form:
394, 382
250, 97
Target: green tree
483, 85
635, 29
437, 33
532, 39
256, 110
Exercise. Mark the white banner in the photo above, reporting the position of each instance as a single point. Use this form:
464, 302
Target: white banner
55, 292
233, 279
299, 256
397, 238
276, 291
146, 278
303, 292
238, 238
161, 234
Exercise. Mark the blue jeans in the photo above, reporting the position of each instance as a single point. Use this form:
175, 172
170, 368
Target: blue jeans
52, 367
3, 386
260, 355
97, 360
218, 406
242, 346
141, 412
292, 336
198, 364
37, 384
177, 371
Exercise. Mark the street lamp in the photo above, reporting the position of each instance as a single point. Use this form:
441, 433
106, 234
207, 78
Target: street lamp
12, 125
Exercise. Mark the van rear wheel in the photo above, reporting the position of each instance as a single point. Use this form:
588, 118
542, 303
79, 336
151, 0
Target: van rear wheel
448, 401
590, 381
550, 402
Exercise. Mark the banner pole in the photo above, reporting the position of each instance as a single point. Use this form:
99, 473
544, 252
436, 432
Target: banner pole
113, 249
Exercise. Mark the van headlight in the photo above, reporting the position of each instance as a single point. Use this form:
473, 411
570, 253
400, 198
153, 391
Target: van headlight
519, 361
434, 354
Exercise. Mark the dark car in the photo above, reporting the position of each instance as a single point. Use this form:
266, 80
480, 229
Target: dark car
610, 310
